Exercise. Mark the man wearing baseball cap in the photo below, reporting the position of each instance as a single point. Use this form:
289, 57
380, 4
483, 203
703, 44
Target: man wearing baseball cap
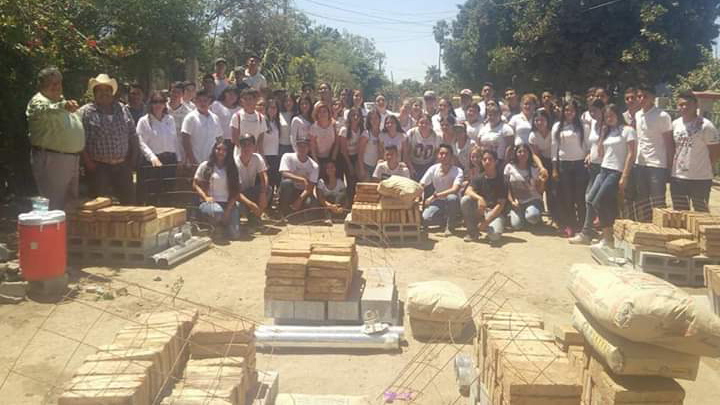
111, 141
299, 176
466, 96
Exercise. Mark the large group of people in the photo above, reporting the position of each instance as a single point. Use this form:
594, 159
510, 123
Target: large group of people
489, 164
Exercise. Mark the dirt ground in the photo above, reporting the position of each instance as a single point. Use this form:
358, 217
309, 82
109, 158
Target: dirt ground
231, 277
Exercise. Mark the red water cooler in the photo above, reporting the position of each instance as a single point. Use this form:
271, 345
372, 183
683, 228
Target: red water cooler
42, 244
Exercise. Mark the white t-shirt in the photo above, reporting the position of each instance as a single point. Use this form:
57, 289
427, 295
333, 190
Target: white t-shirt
616, 148
463, 154
422, 150
257, 81
692, 156
271, 140
435, 119
473, 130
459, 114
217, 186
249, 173
299, 128
253, 124
339, 187
593, 139
324, 137
442, 181
224, 115
372, 146
157, 136
203, 131
383, 170
544, 145
179, 115
522, 127
398, 140
483, 108
496, 138
650, 127
307, 169
351, 142
522, 183
570, 148
285, 120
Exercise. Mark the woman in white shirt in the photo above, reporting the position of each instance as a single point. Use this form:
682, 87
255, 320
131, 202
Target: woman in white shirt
322, 135
348, 139
522, 123
405, 117
617, 149
540, 141
422, 145
269, 142
225, 107
158, 143
592, 129
287, 112
381, 108
445, 110
331, 192
473, 122
496, 135
525, 187
300, 125
369, 146
217, 183
569, 149
392, 135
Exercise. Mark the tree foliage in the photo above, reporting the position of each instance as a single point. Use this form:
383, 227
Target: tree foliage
570, 44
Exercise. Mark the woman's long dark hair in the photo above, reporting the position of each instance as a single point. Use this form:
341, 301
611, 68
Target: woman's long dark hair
396, 122
540, 112
310, 111
367, 120
348, 124
528, 150
233, 179
577, 124
615, 109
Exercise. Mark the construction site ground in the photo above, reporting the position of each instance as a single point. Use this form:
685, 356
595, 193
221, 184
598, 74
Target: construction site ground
43, 343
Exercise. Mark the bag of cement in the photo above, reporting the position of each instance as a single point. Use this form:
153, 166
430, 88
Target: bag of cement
643, 308
439, 301
401, 188
630, 358
303, 399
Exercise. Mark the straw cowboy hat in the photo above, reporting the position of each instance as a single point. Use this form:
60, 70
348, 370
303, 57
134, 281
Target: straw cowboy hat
102, 78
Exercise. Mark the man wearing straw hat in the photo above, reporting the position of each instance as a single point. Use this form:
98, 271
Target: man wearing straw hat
57, 138
110, 135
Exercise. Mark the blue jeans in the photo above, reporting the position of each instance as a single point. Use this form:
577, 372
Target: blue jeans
442, 212
469, 208
288, 194
650, 183
527, 213
601, 200
214, 212
253, 194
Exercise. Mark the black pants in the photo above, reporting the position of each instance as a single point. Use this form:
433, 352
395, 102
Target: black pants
550, 191
683, 191
273, 163
571, 193
114, 181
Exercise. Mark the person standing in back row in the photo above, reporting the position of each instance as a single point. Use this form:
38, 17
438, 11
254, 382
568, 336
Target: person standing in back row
697, 148
57, 138
654, 154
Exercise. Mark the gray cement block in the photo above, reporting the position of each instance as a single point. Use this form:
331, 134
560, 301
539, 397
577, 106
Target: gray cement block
376, 276
384, 301
279, 309
310, 310
348, 310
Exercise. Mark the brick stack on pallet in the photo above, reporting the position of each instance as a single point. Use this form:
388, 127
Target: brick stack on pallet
100, 233
142, 360
520, 363
331, 267
667, 218
286, 270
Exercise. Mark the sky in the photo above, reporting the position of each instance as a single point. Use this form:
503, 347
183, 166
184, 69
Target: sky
401, 29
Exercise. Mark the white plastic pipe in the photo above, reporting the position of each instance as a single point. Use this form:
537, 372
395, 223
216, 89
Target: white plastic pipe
398, 330
386, 341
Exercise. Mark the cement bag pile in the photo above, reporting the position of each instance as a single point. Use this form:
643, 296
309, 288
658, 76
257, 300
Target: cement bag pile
643, 308
399, 192
437, 310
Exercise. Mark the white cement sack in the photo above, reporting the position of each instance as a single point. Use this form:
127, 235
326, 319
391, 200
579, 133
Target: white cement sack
630, 358
437, 301
401, 188
643, 308
303, 399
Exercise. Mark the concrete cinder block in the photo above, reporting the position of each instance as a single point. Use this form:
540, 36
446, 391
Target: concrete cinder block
382, 300
279, 309
348, 310
310, 310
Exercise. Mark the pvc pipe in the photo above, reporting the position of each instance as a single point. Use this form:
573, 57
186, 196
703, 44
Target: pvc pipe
398, 330
386, 341
169, 257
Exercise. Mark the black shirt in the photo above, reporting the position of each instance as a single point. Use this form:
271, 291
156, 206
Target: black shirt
491, 189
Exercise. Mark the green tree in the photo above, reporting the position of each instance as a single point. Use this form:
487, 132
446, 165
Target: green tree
432, 75
440, 32
570, 45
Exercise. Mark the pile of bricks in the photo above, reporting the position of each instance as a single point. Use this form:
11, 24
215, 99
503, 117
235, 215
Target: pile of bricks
654, 237
300, 270
366, 193
667, 218
389, 220
142, 360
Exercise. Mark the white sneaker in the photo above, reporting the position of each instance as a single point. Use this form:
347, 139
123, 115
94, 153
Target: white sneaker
580, 239
604, 244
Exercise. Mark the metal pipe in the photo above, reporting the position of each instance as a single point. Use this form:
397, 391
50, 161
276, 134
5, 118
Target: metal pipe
398, 330
170, 256
386, 341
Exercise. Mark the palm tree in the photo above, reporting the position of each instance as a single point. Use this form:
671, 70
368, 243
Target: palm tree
440, 31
